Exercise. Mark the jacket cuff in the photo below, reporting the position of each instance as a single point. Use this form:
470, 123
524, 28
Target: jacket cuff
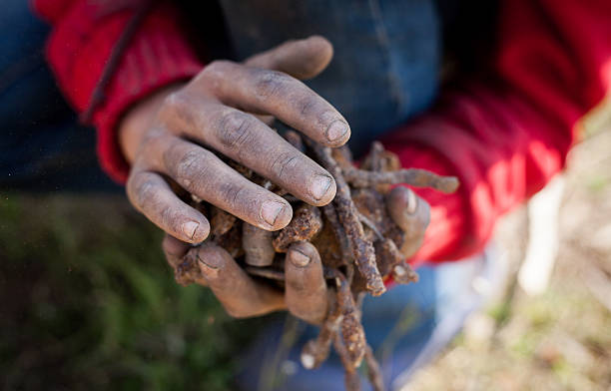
157, 55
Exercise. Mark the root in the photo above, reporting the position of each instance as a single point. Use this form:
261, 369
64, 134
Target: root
357, 239
364, 255
414, 177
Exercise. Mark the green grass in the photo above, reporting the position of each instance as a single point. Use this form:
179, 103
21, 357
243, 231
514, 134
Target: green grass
87, 302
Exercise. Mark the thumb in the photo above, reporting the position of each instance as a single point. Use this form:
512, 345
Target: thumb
302, 59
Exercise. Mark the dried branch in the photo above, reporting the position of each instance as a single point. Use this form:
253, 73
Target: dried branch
355, 235
306, 223
364, 254
414, 177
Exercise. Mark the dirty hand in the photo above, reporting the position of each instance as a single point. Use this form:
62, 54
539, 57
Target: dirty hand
412, 214
305, 294
223, 109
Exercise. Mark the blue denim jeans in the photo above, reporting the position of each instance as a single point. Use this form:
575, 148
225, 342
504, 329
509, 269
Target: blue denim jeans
406, 328
385, 71
387, 53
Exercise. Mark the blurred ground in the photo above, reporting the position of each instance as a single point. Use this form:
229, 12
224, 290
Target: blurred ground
560, 340
87, 302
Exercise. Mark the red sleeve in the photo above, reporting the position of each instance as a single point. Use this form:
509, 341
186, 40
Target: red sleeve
83, 36
507, 135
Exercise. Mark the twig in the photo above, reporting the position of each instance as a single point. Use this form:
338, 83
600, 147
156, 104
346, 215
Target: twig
364, 255
352, 332
374, 373
414, 177
316, 351
306, 223
352, 379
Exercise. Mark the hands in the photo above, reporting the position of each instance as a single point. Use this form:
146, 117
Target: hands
220, 110
305, 294
169, 138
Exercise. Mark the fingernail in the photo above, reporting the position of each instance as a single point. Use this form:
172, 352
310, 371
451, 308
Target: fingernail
299, 259
210, 261
207, 270
320, 186
337, 130
400, 270
270, 210
412, 202
307, 360
190, 228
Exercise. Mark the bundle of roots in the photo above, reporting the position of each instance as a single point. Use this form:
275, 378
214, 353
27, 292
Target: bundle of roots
359, 243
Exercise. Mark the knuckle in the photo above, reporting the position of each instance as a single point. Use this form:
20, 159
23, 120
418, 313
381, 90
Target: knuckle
189, 165
234, 194
174, 101
216, 69
272, 83
282, 161
307, 106
172, 220
237, 313
173, 106
151, 143
142, 191
235, 129
299, 290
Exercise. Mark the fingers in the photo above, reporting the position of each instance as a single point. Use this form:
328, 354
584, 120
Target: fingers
239, 294
302, 59
411, 213
247, 140
203, 174
152, 196
174, 250
270, 92
306, 289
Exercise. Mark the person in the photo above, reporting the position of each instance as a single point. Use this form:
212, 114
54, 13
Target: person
489, 92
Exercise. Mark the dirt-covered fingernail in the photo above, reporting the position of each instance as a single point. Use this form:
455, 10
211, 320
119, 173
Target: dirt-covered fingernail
210, 260
400, 270
337, 130
298, 258
319, 186
270, 210
307, 360
412, 202
190, 229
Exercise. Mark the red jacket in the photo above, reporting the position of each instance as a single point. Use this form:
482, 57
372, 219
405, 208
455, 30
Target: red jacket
504, 139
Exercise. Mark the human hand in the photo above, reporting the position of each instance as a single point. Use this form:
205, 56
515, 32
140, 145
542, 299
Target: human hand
305, 294
412, 214
169, 138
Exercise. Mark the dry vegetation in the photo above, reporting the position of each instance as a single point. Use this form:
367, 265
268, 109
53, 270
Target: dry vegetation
560, 340
87, 302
